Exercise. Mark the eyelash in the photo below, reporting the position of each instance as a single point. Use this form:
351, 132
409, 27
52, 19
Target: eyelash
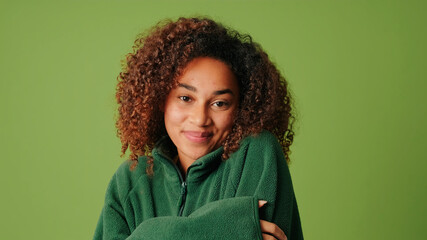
218, 104
224, 104
185, 98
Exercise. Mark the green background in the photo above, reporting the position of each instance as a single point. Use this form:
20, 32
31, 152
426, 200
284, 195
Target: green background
357, 70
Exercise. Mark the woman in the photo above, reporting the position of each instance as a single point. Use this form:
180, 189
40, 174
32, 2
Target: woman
207, 119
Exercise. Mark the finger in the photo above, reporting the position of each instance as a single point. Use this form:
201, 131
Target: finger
273, 229
268, 237
261, 203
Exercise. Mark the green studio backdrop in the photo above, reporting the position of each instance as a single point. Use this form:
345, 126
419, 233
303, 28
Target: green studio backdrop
357, 70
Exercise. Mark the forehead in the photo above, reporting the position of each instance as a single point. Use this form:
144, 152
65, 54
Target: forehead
208, 73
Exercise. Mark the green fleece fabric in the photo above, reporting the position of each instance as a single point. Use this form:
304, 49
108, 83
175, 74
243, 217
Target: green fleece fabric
216, 200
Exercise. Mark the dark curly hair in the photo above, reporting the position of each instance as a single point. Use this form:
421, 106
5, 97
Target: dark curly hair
159, 57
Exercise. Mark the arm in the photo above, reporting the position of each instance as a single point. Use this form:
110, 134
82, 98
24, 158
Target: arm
266, 176
215, 220
232, 218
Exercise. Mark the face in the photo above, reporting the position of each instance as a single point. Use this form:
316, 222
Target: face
199, 112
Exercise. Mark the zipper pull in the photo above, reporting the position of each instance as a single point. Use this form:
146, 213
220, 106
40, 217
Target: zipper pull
183, 188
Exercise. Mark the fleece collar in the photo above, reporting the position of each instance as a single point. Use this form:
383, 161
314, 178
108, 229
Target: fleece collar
164, 151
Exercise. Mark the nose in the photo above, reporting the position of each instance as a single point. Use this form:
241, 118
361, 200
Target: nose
199, 115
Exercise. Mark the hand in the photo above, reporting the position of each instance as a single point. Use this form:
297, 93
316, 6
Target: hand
270, 231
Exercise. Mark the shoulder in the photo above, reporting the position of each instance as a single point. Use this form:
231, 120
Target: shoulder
125, 178
263, 137
259, 149
125, 170
259, 162
264, 141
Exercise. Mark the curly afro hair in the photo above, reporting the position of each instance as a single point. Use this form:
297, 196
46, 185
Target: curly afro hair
158, 59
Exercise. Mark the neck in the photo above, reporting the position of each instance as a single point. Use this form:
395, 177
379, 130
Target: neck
183, 164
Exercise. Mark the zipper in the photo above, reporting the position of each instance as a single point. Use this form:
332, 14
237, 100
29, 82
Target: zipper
183, 197
183, 186
183, 190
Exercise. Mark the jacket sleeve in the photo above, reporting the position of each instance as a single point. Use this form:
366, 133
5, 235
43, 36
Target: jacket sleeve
232, 218
266, 176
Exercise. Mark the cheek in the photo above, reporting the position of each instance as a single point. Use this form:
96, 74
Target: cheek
173, 115
225, 122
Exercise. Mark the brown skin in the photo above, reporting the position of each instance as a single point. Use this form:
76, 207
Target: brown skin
159, 57
200, 112
270, 230
152, 74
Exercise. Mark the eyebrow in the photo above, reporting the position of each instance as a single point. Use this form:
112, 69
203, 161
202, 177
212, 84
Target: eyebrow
186, 86
193, 89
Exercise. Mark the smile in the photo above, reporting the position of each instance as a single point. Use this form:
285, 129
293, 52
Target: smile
198, 137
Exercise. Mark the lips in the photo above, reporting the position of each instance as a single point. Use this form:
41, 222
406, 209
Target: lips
198, 137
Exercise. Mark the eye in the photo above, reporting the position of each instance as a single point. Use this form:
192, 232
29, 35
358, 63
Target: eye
185, 98
220, 104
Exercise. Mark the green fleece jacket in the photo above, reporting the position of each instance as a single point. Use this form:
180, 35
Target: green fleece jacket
215, 200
